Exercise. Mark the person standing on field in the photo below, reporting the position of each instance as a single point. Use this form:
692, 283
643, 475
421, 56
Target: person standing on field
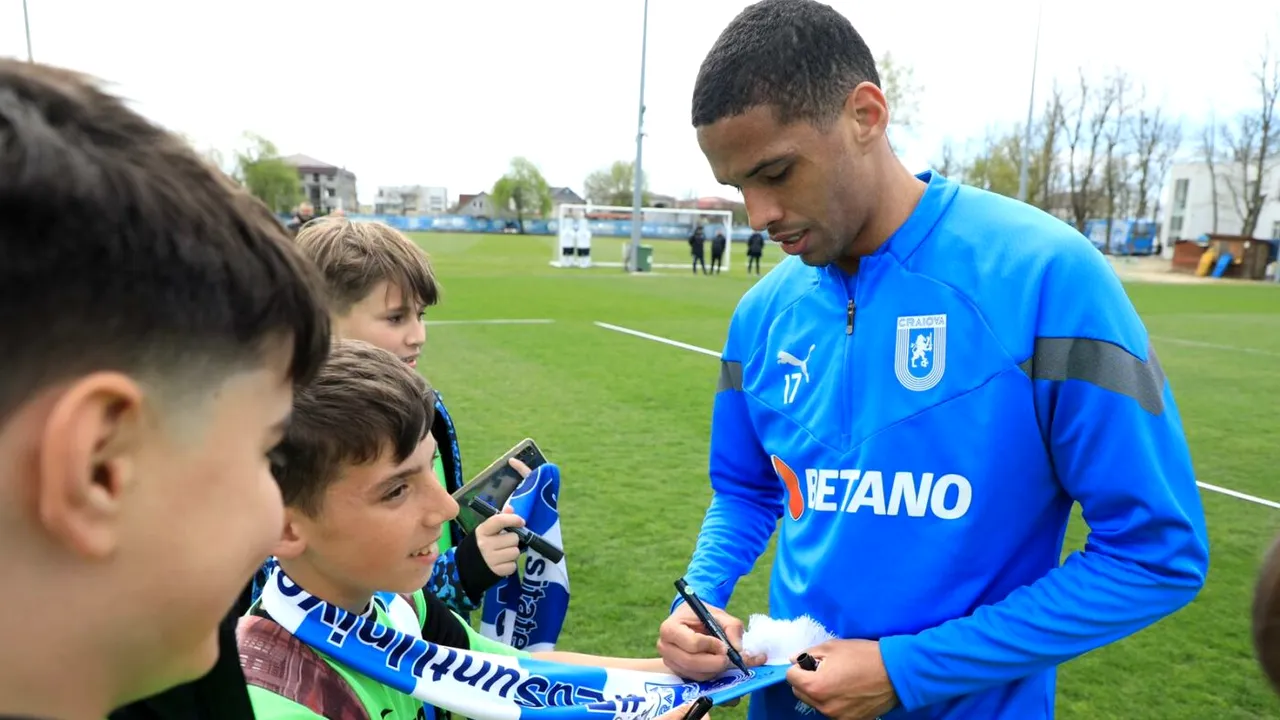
755, 249
920, 393
698, 249
717, 251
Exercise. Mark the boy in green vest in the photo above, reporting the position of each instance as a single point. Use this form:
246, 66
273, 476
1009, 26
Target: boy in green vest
364, 513
378, 284
154, 319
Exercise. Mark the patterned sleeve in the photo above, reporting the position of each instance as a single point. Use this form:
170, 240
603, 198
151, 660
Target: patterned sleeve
446, 584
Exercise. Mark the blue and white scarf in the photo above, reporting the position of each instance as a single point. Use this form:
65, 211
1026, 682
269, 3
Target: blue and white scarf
528, 612
484, 686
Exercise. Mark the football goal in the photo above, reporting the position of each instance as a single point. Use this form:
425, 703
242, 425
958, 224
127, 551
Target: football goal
578, 224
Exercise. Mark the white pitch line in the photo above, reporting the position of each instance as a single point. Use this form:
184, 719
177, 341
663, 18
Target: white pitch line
676, 343
1215, 346
656, 338
536, 321
1240, 495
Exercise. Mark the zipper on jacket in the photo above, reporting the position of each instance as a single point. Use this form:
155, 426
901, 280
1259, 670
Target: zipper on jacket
846, 402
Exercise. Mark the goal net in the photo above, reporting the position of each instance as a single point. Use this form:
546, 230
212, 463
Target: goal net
580, 226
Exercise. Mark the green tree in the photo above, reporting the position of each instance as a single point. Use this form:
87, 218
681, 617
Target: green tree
901, 92
522, 190
269, 178
996, 166
615, 185
997, 162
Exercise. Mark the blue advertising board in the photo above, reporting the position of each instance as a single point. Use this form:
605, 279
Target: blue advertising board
1128, 237
599, 228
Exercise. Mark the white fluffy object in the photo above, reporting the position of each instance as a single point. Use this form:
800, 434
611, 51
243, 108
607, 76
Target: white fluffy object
781, 640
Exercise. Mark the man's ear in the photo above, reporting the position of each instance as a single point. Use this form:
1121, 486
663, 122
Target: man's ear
293, 539
867, 107
88, 458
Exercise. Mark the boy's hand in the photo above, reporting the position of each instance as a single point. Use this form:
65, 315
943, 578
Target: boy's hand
500, 550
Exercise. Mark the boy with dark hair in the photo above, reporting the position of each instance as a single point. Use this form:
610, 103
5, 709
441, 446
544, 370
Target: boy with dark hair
363, 515
378, 284
155, 319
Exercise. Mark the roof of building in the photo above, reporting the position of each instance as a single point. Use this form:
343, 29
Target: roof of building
306, 163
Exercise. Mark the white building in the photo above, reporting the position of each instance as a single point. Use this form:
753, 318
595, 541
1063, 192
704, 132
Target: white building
411, 200
327, 187
1188, 203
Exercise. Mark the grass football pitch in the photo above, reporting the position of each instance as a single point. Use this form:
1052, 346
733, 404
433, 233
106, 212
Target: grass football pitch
628, 420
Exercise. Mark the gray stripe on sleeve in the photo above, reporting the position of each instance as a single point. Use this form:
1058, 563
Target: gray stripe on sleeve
730, 376
1100, 363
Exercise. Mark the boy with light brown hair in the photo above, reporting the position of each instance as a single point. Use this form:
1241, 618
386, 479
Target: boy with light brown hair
378, 285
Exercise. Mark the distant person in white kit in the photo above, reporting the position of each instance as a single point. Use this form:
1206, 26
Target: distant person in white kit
583, 237
568, 240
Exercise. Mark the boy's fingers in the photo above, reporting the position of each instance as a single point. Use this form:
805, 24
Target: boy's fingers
501, 541
502, 521
520, 467
503, 569
508, 554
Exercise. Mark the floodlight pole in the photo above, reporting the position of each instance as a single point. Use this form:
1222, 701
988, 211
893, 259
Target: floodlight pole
1031, 104
637, 174
26, 22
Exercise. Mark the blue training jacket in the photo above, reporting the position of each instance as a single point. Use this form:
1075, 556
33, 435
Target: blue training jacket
922, 429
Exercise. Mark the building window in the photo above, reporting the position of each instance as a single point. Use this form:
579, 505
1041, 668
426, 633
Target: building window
1175, 226
1180, 193
1275, 230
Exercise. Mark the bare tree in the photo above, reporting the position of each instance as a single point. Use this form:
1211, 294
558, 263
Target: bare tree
1253, 146
1082, 128
1209, 151
996, 162
1168, 145
1116, 168
1156, 140
948, 165
1050, 137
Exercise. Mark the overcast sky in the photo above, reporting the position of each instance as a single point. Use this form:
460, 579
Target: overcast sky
445, 93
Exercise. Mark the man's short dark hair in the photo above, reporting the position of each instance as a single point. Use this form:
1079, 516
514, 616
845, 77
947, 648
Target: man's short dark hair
364, 402
121, 249
800, 57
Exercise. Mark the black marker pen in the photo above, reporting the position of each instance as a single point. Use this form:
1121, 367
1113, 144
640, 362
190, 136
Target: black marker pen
527, 537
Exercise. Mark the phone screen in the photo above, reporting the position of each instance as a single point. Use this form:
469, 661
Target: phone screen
497, 484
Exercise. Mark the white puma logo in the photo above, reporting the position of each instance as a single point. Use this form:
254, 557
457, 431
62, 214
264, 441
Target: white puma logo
786, 358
